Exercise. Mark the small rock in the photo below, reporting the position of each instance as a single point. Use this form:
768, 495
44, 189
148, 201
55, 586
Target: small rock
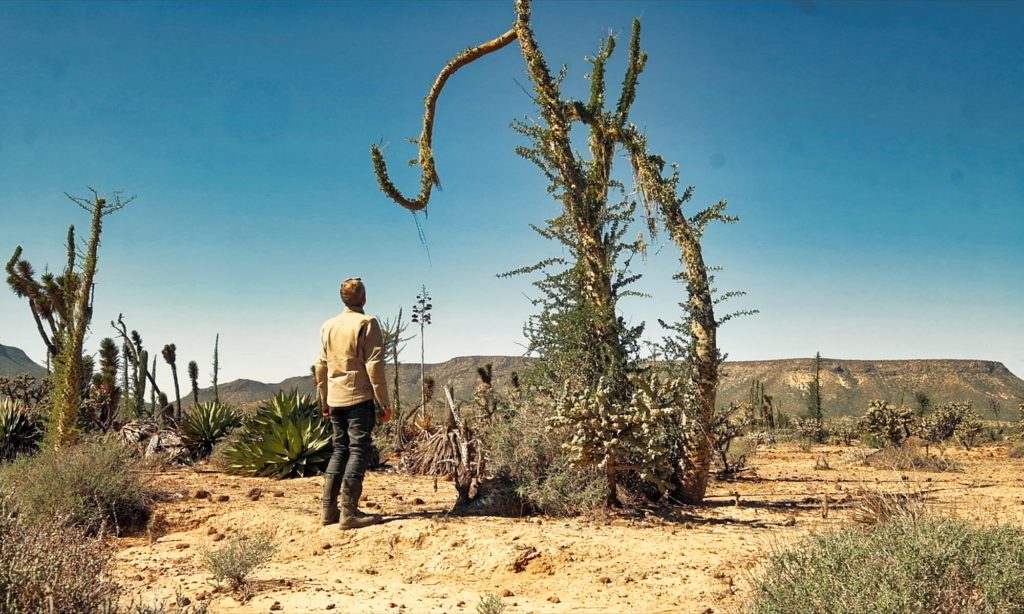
460, 604
506, 593
202, 494
184, 601
707, 611
364, 498
255, 493
181, 546
277, 606
554, 599
372, 504
605, 580
417, 501
212, 531
217, 537
330, 606
222, 498
202, 596
278, 493
392, 605
326, 546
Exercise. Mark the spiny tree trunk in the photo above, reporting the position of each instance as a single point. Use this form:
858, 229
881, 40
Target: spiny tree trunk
65, 303
170, 353
584, 194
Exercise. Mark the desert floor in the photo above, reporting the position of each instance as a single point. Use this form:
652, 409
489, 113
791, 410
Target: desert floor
691, 559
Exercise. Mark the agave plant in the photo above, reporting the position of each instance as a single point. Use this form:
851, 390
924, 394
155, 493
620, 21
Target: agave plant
287, 437
19, 431
206, 424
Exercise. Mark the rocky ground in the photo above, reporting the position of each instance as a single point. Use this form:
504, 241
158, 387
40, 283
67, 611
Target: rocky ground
694, 559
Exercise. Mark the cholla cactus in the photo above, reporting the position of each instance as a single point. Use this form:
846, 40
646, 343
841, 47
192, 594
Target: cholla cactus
638, 435
956, 421
891, 423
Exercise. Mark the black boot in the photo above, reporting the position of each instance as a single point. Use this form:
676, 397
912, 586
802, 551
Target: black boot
351, 517
330, 513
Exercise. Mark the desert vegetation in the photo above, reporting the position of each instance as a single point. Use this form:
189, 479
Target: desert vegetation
601, 437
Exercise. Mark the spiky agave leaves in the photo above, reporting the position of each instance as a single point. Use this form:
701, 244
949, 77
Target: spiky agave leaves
19, 431
286, 438
206, 424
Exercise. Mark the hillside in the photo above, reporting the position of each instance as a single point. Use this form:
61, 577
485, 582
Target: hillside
847, 385
14, 361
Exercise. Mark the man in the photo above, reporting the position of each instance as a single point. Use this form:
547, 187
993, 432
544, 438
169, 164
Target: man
349, 377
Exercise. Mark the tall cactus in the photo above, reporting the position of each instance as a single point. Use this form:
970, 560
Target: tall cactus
170, 353
582, 186
193, 376
65, 304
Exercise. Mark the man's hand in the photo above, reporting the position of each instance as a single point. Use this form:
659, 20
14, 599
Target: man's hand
385, 414
325, 409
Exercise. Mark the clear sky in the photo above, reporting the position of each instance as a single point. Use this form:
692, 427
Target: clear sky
874, 151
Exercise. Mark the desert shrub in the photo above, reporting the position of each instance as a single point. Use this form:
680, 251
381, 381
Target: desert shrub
809, 431
530, 456
1015, 450
240, 556
956, 421
875, 507
909, 457
90, 486
48, 567
286, 437
841, 433
490, 604
907, 565
890, 423
20, 431
206, 424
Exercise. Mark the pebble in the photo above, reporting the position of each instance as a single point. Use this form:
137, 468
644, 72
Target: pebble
202, 494
278, 493
212, 531
181, 546
222, 498
417, 501
217, 537
506, 593
330, 606
326, 546
277, 606
554, 599
605, 580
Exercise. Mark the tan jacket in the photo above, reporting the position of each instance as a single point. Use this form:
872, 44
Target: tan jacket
350, 368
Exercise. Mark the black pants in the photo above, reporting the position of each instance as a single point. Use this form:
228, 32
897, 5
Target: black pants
353, 443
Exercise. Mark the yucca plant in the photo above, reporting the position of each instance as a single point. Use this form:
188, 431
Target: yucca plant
206, 424
19, 431
287, 437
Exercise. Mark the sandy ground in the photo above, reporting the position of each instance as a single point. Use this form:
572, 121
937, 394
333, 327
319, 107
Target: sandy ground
694, 559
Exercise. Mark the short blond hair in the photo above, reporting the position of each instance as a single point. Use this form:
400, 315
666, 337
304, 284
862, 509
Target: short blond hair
353, 292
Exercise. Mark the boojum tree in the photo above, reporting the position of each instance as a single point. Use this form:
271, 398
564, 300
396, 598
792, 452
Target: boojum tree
64, 302
583, 186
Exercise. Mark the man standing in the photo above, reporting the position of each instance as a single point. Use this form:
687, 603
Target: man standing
349, 376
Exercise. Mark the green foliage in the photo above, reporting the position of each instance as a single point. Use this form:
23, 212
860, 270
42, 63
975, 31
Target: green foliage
890, 423
193, 377
205, 424
240, 556
20, 431
957, 421
908, 565
49, 567
605, 432
529, 454
490, 604
91, 486
287, 437
813, 398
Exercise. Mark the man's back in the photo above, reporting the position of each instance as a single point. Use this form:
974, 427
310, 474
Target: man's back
352, 349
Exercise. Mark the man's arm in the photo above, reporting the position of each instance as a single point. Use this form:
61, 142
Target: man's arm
373, 350
320, 372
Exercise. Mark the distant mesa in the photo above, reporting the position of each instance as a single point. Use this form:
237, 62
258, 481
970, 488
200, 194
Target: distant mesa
14, 361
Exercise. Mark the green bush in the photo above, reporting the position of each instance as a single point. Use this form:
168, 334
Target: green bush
48, 567
957, 421
20, 431
530, 456
240, 556
890, 423
206, 424
908, 565
286, 437
90, 486
490, 604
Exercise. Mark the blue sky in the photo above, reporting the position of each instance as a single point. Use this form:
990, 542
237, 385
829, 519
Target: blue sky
874, 151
